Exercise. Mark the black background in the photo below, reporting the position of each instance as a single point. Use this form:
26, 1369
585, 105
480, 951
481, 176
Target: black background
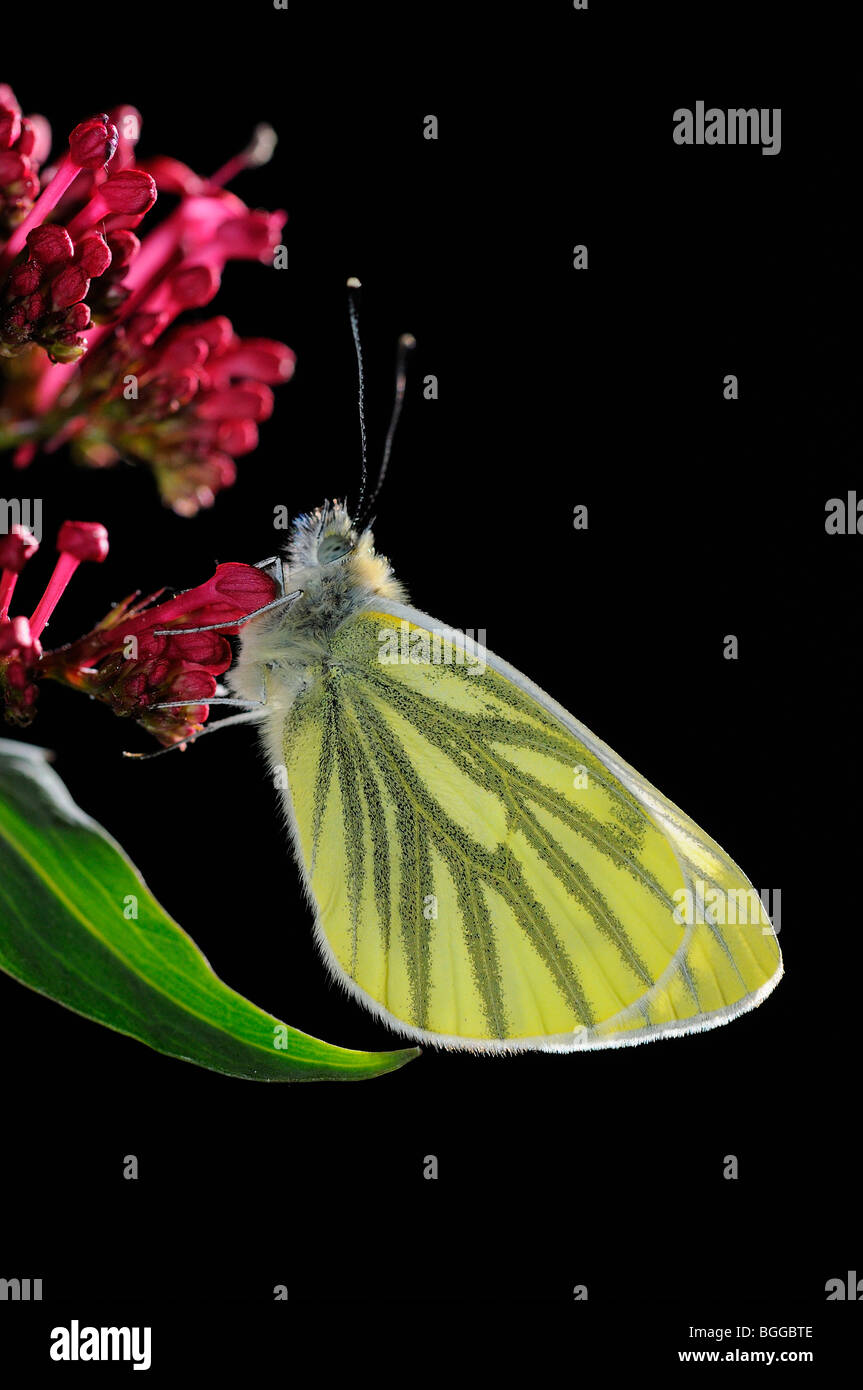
557, 387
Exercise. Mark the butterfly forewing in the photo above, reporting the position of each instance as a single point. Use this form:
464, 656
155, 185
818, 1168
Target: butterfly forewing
487, 873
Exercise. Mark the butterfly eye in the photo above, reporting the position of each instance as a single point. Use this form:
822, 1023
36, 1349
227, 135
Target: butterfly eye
333, 547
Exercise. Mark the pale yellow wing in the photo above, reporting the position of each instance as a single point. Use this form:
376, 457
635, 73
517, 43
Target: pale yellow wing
487, 873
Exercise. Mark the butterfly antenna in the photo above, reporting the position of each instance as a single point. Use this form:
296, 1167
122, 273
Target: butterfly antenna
353, 286
245, 718
407, 342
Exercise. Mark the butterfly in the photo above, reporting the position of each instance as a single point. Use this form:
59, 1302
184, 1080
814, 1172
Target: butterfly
484, 872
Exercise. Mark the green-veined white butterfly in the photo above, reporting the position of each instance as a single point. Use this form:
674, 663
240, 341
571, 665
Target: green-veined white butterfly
467, 887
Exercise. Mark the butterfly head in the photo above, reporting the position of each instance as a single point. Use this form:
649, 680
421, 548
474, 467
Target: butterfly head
326, 536
326, 548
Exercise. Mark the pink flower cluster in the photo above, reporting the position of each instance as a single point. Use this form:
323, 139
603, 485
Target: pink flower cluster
25, 143
20, 648
200, 394
88, 309
128, 661
49, 266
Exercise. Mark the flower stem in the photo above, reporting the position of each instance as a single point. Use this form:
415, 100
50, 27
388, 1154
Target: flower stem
8, 580
67, 172
259, 151
63, 571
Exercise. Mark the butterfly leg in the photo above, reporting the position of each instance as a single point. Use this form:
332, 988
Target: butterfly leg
211, 700
281, 577
210, 729
237, 622
220, 698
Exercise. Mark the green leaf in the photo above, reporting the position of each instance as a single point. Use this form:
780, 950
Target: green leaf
65, 886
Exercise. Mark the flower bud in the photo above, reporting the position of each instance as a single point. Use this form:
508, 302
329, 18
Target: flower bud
50, 245
85, 540
92, 143
185, 351
10, 117
93, 254
194, 286
35, 139
251, 236
14, 166
237, 437
129, 191
260, 358
69, 287
16, 548
218, 332
249, 400
124, 247
24, 279
15, 637
65, 351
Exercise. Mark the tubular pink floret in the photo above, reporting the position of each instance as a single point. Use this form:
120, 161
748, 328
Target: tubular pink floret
78, 541
16, 548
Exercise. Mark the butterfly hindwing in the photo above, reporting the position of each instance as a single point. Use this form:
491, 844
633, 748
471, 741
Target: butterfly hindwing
487, 873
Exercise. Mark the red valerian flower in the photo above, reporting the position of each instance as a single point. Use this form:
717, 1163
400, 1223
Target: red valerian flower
16, 548
25, 143
88, 308
201, 393
127, 661
41, 291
